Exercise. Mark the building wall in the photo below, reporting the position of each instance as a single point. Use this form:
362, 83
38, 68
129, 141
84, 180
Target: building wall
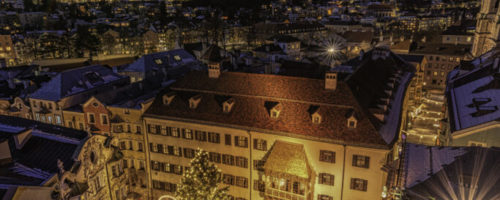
101, 116
373, 174
75, 120
485, 136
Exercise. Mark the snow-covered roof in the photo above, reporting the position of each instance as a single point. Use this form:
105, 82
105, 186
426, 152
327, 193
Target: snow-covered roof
74, 81
424, 161
474, 96
167, 59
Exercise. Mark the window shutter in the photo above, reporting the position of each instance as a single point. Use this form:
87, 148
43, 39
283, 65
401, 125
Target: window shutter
255, 143
236, 141
365, 185
352, 183
150, 146
264, 145
354, 158
367, 162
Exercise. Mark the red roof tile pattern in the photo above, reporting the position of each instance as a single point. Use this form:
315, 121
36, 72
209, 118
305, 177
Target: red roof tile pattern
251, 92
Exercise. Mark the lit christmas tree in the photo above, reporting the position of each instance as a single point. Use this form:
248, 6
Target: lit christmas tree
201, 180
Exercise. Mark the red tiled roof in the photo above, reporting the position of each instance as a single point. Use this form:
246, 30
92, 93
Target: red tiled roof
251, 92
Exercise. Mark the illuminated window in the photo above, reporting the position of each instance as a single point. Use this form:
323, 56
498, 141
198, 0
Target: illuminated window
177, 58
327, 156
326, 179
158, 61
361, 161
359, 184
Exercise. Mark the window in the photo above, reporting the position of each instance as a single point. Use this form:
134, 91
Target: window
157, 129
200, 136
359, 184
187, 134
152, 147
241, 182
159, 148
175, 132
327, 156
138, 129
351, 124
158, 61
58, 119
214, 157
228, 179
177, 58
139, 146
477, 144
326, 179
130, 145
259, 185
258, 164
324, 197
227, 139
37, 116
49, 119
81, 126
274, 114
227, 159
241, 162
214, 137
189, 153
361, 161
316, 119
118, 128
260, 144
42, 118
241, 141
70, 124
104, 119
91, 118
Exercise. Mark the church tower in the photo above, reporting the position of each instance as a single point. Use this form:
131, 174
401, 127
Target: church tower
487, 32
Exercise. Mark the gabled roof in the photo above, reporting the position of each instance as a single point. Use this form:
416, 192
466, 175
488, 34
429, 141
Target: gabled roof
36, 160
74, 81
251, 92
393, 74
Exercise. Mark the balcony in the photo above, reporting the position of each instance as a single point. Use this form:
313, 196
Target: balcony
279, 194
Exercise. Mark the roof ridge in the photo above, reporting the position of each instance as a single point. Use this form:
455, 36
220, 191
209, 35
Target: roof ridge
262, 97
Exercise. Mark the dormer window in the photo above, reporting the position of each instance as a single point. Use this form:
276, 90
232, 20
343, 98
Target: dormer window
158, 61
168, 98
227, 106
273, 108
275, 113
177, 58
194, 101
352, 120
316, 119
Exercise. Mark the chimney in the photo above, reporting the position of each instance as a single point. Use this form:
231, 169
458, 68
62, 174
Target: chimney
331, 80
213, 70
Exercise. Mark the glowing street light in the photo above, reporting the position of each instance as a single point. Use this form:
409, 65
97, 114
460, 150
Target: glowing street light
331, 50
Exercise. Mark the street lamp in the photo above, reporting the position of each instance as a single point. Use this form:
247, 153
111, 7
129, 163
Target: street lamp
331, 50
